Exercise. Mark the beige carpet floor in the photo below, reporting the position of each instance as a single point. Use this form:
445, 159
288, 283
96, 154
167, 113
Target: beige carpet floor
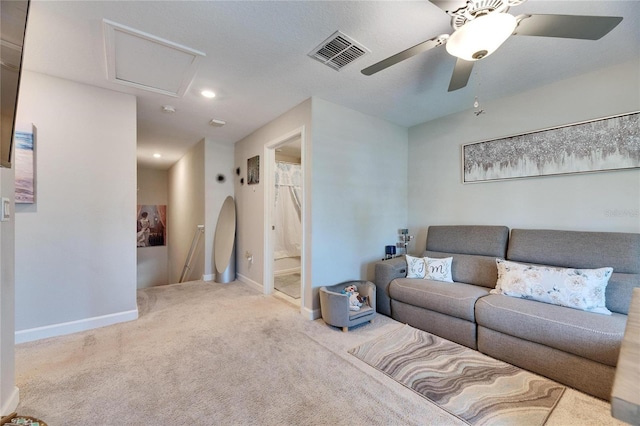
222, 354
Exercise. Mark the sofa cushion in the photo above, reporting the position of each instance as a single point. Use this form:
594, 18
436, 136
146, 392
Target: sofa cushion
588, 335
574, 288
469, 239
619, 291
574, 249
453, 299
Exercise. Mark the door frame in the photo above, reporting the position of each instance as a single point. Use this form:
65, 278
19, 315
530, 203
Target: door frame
269, 216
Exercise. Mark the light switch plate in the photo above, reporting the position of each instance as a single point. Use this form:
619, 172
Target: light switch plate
6, 209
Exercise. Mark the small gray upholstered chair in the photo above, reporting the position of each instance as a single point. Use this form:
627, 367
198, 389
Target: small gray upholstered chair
334, 304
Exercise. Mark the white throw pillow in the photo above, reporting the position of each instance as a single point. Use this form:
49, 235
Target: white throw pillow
574, 288
416, 267
439, 269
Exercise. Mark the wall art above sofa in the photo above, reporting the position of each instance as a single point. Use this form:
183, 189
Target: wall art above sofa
611, 143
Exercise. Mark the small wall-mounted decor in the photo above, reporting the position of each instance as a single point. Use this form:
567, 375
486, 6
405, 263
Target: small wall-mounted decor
611, 143
25, 143
151, 225
253, 170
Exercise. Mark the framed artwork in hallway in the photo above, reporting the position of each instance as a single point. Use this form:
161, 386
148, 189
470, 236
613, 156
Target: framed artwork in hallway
25, 144
151, 225
253, 170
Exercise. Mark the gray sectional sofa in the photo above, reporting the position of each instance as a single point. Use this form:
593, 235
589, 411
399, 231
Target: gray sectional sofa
574, 347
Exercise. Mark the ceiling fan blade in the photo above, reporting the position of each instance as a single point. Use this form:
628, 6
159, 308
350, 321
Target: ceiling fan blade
449, 5
566, 26
461, 74
406, 54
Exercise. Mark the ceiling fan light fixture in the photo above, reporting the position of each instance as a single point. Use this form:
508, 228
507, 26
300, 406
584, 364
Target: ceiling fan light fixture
481, 37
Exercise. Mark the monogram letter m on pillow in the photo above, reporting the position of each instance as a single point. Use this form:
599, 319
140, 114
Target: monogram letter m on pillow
429, 269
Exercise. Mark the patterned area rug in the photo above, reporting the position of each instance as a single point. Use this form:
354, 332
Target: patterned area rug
476, 388
18, 420
288, 284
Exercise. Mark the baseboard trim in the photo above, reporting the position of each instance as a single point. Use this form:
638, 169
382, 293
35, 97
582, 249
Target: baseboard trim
310, 314
54, 330
11, 403
250, 282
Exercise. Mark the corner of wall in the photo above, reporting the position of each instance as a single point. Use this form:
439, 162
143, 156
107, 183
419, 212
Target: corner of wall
219, 178
185, 211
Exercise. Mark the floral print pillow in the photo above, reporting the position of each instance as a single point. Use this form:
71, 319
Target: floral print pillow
416, 267
574, 288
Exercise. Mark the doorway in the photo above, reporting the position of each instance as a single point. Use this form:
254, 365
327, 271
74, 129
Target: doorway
284, 221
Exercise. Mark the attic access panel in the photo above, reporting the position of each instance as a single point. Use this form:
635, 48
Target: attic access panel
147, 62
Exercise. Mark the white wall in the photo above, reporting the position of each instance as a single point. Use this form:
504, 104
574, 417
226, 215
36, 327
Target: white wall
75, 248
250, 198
359, 191
194, 198
153, 261
355, 193
185, 211
603, 201
218, 159
9, 395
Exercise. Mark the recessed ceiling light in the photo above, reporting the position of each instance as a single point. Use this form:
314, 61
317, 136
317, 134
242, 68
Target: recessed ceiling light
208, 94
156, 155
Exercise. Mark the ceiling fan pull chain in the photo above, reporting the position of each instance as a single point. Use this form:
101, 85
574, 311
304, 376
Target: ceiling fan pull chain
476, 103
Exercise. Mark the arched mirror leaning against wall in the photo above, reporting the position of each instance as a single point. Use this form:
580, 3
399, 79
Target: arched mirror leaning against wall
224, 243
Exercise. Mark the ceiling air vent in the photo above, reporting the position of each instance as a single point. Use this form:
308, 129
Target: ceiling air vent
338, 51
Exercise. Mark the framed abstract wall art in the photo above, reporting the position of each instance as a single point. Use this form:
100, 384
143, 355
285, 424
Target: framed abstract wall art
253, 170
611, 143
25, 161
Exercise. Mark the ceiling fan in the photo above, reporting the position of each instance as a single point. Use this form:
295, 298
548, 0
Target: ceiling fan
481, 26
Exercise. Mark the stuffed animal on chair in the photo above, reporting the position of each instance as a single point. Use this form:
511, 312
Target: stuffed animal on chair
354, 296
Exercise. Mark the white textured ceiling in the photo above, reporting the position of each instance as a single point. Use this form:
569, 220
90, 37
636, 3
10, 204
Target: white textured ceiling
256, 60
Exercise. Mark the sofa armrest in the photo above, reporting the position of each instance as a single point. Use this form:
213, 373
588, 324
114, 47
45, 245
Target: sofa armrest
386, 271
